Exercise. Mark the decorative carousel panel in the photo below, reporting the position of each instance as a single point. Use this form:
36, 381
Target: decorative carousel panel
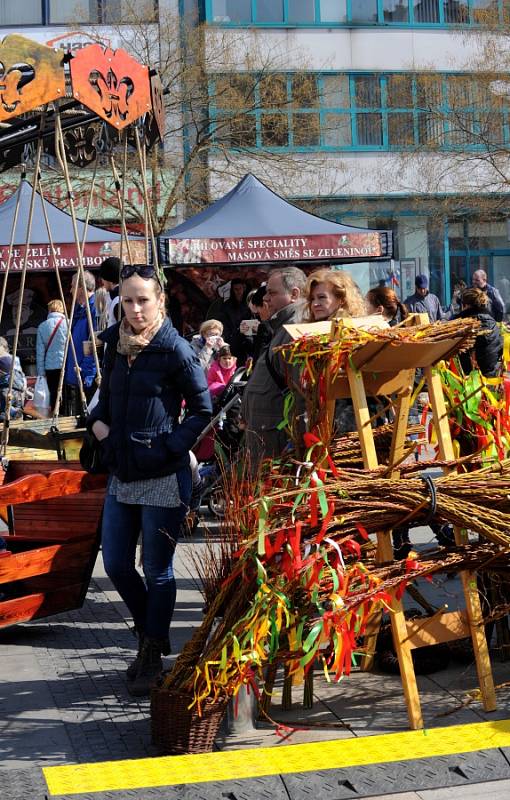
81, 144
31, 75
111, 83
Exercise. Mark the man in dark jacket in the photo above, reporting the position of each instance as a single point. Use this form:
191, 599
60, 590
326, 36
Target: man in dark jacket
80, 331
488, 349
496, 305
423, 302
264, 395
231, 314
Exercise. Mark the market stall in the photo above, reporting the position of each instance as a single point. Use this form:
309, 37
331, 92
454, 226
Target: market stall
42, 260
251, 228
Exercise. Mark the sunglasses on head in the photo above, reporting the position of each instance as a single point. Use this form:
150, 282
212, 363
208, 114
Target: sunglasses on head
143, 270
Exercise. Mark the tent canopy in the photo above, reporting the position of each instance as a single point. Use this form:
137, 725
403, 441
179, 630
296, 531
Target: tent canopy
252, 224
60, 222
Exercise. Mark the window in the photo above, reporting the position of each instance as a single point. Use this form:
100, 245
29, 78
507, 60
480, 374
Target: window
12, 12
369, 129
96, 11
273, 91
305, 92
367, 95
399, 91
307, 130
335, 91
426, 10
367, 92
336, 130
484, 11
333, 10
236, 132
230, 10
396, 10
269, 11
301, 11
400, 129
455, 11
355, 12
364, 11
370, 111
235, 93
274, 130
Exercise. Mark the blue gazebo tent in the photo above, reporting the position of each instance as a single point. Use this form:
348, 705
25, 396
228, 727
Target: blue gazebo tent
252, 224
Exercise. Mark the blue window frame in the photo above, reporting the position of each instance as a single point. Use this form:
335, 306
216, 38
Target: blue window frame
56, 12
357, 111
353, 12
30, 12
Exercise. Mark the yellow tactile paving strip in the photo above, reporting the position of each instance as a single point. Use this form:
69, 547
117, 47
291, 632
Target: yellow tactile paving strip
236, 764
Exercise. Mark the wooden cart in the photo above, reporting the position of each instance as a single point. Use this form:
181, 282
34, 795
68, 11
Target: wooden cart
53, 518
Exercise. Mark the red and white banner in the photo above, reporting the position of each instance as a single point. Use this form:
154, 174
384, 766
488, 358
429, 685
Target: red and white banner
239, 250
40, 257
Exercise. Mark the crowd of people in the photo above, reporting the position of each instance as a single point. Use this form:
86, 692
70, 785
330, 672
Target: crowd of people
157, 393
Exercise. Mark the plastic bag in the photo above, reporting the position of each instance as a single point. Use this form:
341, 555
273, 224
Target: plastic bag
42, 395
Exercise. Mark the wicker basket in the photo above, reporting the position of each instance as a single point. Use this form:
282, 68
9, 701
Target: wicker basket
177, 729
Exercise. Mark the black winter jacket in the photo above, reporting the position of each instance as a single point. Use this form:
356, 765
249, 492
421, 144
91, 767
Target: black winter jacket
142, 403
488, 345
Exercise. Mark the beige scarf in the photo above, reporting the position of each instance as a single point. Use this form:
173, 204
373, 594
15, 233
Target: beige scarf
131, 344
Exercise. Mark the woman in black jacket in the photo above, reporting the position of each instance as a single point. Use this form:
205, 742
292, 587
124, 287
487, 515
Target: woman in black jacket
488, 350
149, 370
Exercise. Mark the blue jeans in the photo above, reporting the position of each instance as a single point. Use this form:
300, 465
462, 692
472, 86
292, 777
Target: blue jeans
151, 602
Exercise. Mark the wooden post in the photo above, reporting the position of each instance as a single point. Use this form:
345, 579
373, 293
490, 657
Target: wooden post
472, 598
384, 545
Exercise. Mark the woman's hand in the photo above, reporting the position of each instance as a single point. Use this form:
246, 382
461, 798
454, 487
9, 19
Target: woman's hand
100, 430
215, 342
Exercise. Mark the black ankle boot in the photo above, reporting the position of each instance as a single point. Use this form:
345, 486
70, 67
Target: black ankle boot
149, 667
132, 670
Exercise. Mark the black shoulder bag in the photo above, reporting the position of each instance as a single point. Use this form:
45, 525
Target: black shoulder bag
91, 455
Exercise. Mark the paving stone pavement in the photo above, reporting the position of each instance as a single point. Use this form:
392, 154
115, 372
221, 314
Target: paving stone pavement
63, 697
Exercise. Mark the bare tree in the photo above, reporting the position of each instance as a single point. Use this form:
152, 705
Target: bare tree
230, 105
456, 147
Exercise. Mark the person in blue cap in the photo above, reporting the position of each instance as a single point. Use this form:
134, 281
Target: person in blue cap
423, 301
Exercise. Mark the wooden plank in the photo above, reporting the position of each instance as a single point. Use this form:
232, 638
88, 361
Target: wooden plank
41, 604
20, 543
362, 415
41, 560
443, 627
25, 467
61, 482
398, 438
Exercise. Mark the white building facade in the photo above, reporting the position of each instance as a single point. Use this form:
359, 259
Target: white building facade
375, 69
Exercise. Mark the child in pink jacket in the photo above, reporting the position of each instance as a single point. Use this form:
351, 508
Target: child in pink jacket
221, 371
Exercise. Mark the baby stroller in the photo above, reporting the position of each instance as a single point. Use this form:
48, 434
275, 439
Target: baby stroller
219, 442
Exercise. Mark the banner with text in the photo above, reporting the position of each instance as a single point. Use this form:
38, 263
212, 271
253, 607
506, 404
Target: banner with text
65, 256
238, 250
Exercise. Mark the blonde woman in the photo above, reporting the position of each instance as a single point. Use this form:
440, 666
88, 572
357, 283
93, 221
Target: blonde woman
50, 346
331, 294
208, 341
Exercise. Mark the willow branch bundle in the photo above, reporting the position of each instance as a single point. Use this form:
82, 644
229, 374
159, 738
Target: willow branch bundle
346, 450
347, 340
478, 501
385, 579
